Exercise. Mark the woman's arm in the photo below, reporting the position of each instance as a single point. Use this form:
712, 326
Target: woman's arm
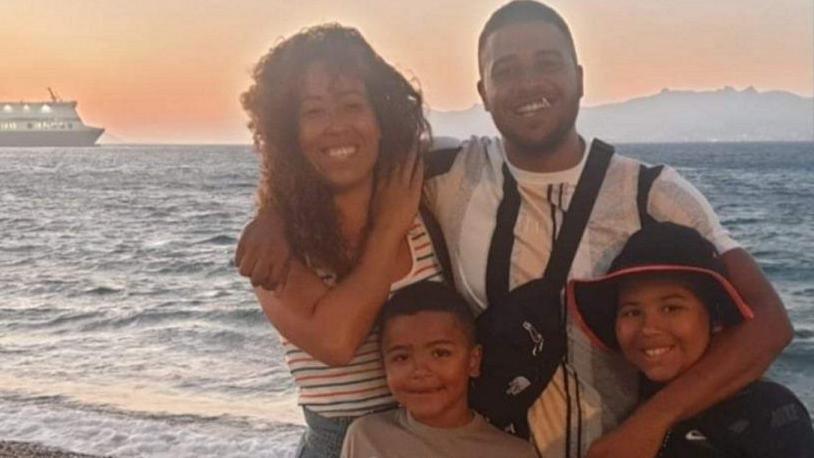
331, 323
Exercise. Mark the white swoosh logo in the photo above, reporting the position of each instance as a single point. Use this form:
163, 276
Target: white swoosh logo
695, 436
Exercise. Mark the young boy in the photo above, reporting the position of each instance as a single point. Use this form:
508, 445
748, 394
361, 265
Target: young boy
662, 300
429, 351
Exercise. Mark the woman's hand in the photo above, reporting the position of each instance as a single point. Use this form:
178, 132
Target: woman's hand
395, 202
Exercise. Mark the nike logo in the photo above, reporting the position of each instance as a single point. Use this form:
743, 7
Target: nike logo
694, 435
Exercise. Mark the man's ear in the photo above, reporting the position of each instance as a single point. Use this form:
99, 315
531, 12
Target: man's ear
579, 81
482, 93
475, 357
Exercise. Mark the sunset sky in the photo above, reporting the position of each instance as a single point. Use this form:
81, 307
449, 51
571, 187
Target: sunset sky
172, 70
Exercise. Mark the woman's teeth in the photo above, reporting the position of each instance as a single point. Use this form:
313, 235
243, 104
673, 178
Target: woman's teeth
532, 107
341, 151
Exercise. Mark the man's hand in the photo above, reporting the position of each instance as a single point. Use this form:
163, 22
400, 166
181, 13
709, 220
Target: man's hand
263, 253
639, 437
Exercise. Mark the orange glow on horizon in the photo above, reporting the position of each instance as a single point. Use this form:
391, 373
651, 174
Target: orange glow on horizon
158, 71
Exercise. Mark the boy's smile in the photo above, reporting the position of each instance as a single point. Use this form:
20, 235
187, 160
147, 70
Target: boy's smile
428, 360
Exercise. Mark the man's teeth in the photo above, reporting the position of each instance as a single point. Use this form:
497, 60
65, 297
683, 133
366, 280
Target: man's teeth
653, 352
533, 107
341, 152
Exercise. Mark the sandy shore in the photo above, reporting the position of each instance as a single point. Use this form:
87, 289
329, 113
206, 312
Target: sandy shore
15, 449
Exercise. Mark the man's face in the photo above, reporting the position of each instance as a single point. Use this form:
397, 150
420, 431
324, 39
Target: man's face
530, 84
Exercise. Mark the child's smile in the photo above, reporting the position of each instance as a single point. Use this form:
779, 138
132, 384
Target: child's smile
429, 360
661, 326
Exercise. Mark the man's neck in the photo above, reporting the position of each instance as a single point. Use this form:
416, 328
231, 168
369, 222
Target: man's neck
565, 155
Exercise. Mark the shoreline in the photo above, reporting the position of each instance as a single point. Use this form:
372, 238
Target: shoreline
20, 449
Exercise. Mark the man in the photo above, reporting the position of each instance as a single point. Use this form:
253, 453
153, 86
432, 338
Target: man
531, 83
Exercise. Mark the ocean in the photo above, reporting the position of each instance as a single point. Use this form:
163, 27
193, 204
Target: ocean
125, 329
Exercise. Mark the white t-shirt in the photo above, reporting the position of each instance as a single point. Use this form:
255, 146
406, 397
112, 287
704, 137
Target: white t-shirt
465, 200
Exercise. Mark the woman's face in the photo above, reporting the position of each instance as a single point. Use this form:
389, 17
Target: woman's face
338, 130
662, 327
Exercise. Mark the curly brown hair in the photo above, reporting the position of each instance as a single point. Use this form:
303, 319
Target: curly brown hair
287, 180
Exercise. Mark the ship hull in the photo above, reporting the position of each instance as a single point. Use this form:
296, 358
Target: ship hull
84, 137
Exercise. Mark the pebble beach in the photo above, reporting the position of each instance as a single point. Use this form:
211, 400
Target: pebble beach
9, 449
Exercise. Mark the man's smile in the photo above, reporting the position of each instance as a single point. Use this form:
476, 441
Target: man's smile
532, 107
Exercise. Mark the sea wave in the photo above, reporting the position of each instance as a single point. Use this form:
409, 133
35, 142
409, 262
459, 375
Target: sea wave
101, 431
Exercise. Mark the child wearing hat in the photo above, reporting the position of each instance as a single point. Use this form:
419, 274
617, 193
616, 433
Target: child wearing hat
661, 301
428, 346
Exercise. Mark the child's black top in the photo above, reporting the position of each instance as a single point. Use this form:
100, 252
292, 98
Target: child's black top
763, 420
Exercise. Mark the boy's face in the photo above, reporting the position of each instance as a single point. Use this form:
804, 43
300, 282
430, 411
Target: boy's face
662, 327
429, 360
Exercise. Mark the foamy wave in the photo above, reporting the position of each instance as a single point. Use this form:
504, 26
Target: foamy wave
109, 433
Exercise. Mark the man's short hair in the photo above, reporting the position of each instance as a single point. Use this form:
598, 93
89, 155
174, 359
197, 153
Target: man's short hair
522, 11
429, 296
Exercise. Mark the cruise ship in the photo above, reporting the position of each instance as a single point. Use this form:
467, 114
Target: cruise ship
52, 123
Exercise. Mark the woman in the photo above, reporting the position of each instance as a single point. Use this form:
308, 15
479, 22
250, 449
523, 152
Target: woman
339, 131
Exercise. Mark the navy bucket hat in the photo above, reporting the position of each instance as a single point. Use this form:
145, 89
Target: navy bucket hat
666, 248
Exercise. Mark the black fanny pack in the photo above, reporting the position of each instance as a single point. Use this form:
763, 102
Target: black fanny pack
523, 330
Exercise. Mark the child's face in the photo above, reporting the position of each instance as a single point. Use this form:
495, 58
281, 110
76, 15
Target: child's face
662, 327
429, 360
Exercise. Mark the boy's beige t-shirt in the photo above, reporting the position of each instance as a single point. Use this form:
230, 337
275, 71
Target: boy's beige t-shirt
396, 434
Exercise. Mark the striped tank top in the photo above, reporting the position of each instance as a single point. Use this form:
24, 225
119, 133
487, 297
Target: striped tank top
359, 387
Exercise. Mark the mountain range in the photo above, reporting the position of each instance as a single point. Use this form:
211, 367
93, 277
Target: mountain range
725, 115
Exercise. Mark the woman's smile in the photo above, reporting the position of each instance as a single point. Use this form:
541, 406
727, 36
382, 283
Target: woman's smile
338, 130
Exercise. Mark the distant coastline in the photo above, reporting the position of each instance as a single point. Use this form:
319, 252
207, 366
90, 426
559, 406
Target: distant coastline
672, 116
668, 116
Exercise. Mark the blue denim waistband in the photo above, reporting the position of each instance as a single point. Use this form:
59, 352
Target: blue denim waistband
324, 436
317, 421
